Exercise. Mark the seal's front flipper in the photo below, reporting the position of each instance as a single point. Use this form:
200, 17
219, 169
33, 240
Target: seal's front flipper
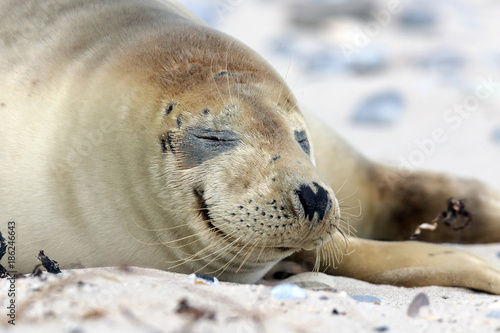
411, 264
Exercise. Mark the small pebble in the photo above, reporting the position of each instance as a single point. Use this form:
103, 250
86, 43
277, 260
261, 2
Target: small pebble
383, 108
366, 298
419, 301
494, 314
202, 279
288, 291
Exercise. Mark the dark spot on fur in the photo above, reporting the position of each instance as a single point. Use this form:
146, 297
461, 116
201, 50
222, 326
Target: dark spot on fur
221, 74
284, 249
169, 108
166, 142
301, 138
170, 141
179, 121
163, 145
440, 253
274, 179
274, 158
206, 111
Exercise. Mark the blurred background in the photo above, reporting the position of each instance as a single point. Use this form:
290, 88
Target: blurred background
408, 83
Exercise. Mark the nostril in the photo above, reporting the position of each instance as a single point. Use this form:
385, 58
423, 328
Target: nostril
314, 201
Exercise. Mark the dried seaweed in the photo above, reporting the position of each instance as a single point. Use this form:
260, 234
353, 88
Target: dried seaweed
50, 265
455, 212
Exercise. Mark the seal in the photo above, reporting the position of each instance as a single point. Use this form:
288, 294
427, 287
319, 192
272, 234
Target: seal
152, 140
132, 133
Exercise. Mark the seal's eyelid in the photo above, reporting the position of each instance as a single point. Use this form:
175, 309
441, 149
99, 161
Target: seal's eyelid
224, 135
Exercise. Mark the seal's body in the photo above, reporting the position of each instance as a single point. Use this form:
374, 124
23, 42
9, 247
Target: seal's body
132, 133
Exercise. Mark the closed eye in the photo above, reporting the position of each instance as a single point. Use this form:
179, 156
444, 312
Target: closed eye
208, 141
214, 135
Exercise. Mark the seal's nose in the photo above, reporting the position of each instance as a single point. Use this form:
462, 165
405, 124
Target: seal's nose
314, 201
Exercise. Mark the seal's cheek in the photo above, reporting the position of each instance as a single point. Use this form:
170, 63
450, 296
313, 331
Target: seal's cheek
199, 145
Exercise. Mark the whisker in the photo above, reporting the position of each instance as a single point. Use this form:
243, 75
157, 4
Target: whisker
138, 240
284, 79
221, 253
341, 186
349, 195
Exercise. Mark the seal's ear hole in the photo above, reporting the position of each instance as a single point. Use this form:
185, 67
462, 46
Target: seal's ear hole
301, 138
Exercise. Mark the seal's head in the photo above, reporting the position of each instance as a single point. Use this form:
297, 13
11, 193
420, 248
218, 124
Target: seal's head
234, 148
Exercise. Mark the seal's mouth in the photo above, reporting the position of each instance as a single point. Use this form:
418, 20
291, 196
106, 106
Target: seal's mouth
205, 215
